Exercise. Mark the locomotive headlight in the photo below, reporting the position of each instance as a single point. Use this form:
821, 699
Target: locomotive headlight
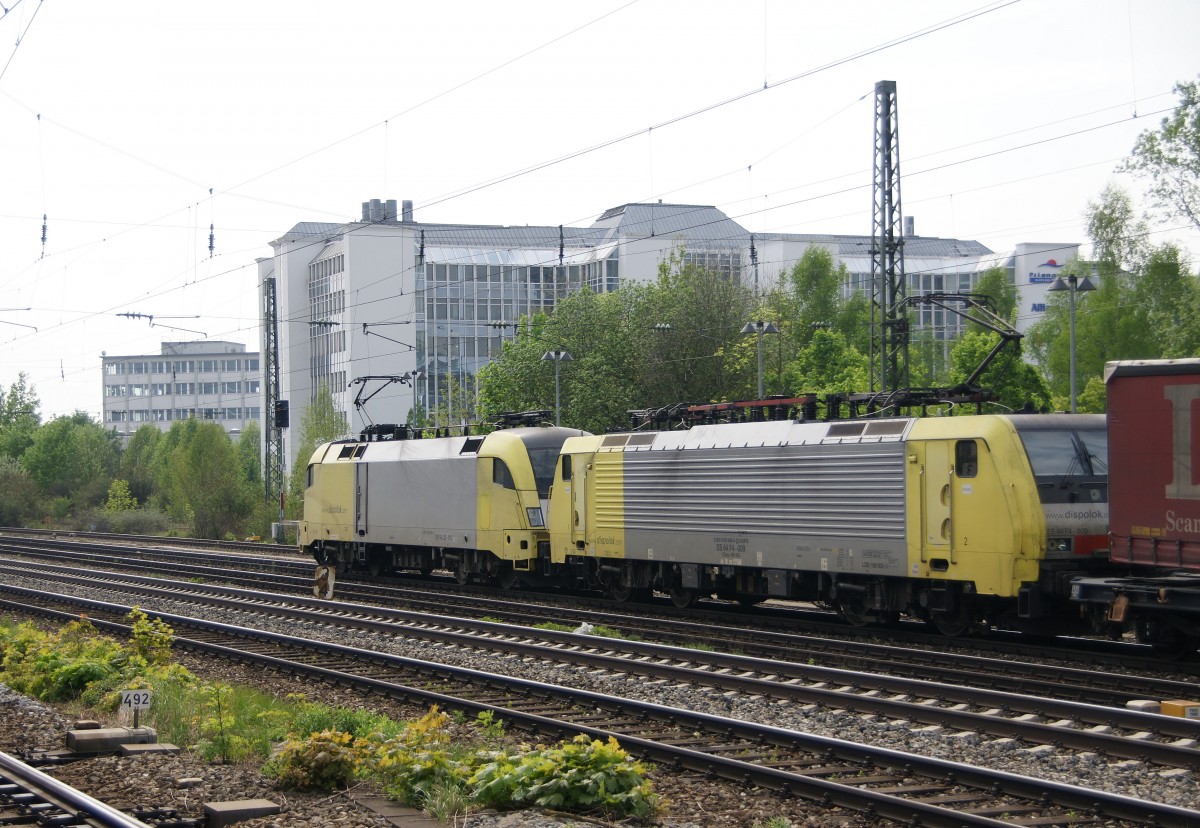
535, 517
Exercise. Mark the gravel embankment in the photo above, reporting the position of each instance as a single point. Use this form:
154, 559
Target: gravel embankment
703, 803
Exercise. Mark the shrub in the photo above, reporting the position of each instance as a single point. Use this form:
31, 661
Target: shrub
582, 775
322, 761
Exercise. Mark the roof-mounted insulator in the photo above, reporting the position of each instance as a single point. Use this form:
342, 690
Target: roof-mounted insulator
43, 235
561, 245
211, 241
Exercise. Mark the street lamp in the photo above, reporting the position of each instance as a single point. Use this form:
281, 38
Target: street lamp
412, 377
1075, 285
557, 356
760, 327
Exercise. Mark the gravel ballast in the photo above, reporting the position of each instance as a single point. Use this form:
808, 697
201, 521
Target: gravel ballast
692, 801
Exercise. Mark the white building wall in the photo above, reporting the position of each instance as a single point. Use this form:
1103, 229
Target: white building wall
1035, 267
380, 288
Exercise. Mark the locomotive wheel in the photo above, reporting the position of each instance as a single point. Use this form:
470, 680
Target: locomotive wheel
506, 578
854, 613
462, 575
950, 624
683, 598
619, 592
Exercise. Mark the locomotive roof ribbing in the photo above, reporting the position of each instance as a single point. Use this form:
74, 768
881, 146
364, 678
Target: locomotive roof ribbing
770, 433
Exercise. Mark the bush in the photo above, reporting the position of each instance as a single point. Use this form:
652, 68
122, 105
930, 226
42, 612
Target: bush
321, 761
582, 775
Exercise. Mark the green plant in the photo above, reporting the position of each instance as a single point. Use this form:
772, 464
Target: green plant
581, 775
323, 761
360, 723
411, 765
220, 739
150, 638
489, 726
446, 800
775, 822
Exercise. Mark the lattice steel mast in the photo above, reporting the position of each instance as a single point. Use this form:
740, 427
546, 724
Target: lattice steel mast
889, 324
273, 483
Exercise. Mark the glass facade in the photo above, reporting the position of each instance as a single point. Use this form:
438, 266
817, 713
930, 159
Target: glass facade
465, 311
327, 337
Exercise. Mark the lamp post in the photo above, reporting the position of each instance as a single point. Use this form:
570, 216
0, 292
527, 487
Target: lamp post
558, 357
1075, 285
412, 377
760, 327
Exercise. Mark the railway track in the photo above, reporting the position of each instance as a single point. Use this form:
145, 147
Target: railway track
30, 797
1044, 720
737, 632
884, 783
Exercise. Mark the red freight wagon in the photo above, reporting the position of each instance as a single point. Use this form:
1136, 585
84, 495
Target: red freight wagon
1153, 473
1154, 507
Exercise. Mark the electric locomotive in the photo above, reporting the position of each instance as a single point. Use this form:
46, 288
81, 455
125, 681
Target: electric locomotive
473, 505
963, 521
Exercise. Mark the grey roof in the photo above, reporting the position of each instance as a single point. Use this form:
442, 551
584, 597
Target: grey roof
920, 246
698, 223
308, 229
497, 237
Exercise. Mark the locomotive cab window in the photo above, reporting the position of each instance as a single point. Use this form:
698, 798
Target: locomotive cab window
566, 467
966, 458
501, 476
308, 476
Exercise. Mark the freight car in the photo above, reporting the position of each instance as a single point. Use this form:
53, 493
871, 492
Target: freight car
965, 522
1153, 422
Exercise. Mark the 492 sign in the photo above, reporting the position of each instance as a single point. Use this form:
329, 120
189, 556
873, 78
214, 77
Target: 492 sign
135, 699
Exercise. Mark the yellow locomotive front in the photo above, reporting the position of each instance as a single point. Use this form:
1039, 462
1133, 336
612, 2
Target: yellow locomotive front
471, 505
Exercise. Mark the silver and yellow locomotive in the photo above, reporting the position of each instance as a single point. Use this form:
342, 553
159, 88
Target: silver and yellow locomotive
962, 521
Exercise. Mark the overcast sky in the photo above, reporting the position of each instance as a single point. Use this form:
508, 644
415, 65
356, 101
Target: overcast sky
1012, 116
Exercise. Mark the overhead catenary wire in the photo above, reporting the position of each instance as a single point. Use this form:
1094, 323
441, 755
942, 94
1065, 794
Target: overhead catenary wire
227, 271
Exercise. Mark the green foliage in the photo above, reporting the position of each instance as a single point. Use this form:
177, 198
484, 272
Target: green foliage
119, 498
416, 762
19, 418
18, 494
58, 667
360, 723
814, 285
827, 364
583, 775
325, 760
1017, 384
136, 465
222, 737
1093, 399
197, 472
73, 457
248, 451
1169, 158
150, 638
995, 284
1146, 304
